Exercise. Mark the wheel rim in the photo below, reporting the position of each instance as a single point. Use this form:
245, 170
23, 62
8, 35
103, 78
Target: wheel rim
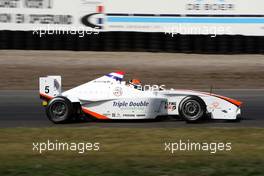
192, 109
58, 110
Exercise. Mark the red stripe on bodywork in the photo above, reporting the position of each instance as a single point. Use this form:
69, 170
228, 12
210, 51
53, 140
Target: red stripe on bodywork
230, 100
45, 96
94, 114
235, 102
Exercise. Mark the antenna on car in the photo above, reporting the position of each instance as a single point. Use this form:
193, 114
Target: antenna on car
211, 89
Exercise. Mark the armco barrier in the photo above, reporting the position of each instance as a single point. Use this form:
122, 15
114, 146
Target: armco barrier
134, 41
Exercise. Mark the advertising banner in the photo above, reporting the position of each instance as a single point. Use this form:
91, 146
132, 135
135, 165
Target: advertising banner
214, 17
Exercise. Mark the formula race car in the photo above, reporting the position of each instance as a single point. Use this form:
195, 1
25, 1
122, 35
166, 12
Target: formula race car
109, 97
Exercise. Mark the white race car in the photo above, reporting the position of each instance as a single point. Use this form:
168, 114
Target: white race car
109, 97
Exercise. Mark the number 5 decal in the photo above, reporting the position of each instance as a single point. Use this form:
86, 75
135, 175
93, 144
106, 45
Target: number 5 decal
47, 89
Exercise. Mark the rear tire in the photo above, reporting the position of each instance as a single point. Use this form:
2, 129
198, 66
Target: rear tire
192, 109
59, 110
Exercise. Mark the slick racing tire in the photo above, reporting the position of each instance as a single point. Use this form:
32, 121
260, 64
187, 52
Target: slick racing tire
59, 110
192, 109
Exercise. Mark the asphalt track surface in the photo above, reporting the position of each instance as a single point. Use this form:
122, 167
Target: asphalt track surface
23, 109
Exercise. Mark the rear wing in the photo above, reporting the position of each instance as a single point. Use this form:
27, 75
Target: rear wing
49, 87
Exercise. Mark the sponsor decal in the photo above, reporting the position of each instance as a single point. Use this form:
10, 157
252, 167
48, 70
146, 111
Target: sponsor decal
9, 3
141, 115
21, 17
215, 105
36, 19
86, 20
215, 5
37, 4
56, 84
124, 104
118, 92
105, 82
152, 87
129, 115
98, 17
116, 115
170, 106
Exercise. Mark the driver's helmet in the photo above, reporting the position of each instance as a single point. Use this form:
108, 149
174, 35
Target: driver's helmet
136, 83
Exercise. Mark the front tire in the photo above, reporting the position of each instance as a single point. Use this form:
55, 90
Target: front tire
59, 110
192, 109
